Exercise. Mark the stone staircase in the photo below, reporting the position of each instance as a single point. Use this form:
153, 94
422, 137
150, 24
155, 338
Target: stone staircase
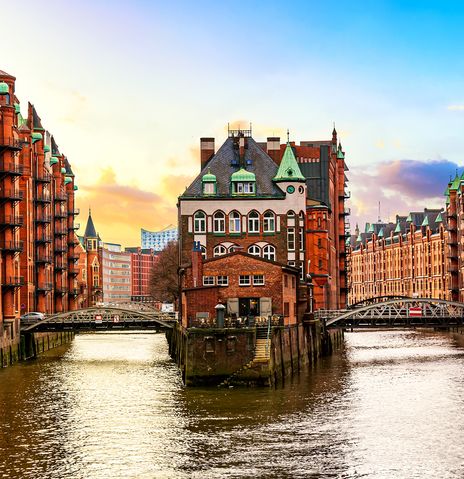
262, 355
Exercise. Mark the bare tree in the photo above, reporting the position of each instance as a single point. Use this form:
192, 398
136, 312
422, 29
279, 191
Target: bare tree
164, 281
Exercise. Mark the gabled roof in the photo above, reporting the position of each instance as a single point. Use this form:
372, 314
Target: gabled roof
5, 74
36, 121
288, 168
55, 150
226, 161
455, 183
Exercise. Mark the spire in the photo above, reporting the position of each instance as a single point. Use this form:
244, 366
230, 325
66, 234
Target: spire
288, 136
289, 169
90, 231
334, 135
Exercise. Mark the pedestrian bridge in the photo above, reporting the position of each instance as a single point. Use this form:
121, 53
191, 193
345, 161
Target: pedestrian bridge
102, 319
397, 313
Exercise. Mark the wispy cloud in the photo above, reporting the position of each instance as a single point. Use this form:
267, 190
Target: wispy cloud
455, 107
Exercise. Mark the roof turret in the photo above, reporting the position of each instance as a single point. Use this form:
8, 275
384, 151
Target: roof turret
289, 169
4, 89
90, 231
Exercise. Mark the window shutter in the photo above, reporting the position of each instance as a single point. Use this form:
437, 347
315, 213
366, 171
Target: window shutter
232, 306
265, 306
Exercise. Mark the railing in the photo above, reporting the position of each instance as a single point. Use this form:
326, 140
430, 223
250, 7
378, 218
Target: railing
11, 168
74, 212
60, 213
75, 226
43, 198
12, 143
43, 259
12, 220
13, 281
43, 239
43, 219
60, 248
74, 292
60, 196
60, 266
60, 232
61, 289
11, 245
43, 177
268, 337
15, 195
44, 287
245, 322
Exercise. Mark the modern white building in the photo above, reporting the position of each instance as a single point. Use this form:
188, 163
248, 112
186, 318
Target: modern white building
157, 240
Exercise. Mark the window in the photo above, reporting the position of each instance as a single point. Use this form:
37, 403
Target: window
234, 222
208, 280
219, 222
254, 250
291, 239
269, 252
209, 188
286, 309
285, 281
269, 222
253, 222
219, 250
244, 280
199, 223
258, 280
222, 280
301, 238
203, 252
244, 188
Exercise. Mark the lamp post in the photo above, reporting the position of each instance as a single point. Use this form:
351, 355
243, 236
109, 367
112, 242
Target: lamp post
220, 310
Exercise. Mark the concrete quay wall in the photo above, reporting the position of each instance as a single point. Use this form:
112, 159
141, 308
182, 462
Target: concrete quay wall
212, 356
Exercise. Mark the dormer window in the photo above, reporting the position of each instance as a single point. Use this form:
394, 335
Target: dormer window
243, 182
243, 188
209, 184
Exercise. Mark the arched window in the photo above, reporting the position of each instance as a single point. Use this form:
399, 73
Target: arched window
269, 252
269, 222
219, 222
219, 250
234, 222
291, 214
199, 222
203, 252
253, 222
254, 250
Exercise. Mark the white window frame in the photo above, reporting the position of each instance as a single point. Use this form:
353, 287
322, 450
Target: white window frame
244, 280
219, 250
291, 239
253, 222
199, 222
235, 222
209, 188
208, 280
220, 281
256, 248
219, 222
203, 251
269, 222
256, 282
268, 251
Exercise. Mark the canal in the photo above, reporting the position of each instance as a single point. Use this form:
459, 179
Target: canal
390, 405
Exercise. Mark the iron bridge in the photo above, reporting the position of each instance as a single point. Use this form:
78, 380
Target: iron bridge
398, 313
102, 318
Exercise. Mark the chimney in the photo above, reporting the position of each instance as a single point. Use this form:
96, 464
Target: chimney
273, 148
197, 265
206, 150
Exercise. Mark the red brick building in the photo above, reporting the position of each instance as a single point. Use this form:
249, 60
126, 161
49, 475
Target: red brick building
142, 263
92, 245
247, 285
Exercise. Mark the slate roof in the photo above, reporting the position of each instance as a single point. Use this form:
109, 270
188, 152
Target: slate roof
67, 166
36, 121
222, 166
90, 231
55, 150
5, 74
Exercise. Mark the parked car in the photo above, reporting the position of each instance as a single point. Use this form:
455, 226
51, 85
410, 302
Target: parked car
32, 316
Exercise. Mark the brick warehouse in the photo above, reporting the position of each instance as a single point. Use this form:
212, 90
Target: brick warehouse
37, 229
309, 235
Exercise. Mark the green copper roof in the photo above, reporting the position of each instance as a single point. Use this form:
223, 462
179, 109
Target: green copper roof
366, 229
288, 168
36, 136
347, 242
340, 155
75, 188
17, 108
54, 160
439, 218
208, 177
380, 235
46, 149
409, 218
4, 90
67, 180
426, 221
63, 170
242, 175
455, 184
398, 228
446, 193
371, 228
359, 239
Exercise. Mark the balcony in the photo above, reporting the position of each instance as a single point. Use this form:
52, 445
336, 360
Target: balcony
61, 232
43, 259
11, 220
453, 268
10, 144
43, 198
61, 196
60, 266
75, 226
11, 169
11, 194
13, 281
43, 239
60, 248
43, 218
346, 212
60, 289
74, 212
16, 246
61, 213
43, 287
43, 177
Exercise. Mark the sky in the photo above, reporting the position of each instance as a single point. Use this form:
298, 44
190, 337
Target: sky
128, 89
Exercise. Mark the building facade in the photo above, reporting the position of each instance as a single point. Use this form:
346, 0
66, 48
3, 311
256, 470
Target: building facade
116, 274
410, 257
157, 240
142, 263
244, 201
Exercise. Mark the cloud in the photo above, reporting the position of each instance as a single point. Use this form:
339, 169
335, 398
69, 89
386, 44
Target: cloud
455, 107
400, 186
119, 210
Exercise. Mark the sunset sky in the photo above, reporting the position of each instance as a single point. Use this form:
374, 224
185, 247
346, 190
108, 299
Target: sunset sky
128, 88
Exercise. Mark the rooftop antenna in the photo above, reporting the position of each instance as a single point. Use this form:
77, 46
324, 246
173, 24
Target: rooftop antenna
250, 128
378, 220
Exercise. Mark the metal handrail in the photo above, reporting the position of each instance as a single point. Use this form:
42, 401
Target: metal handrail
268, 335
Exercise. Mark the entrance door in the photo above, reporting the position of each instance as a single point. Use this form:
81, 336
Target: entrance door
248, 307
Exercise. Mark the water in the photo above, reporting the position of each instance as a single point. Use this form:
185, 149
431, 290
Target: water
390, 405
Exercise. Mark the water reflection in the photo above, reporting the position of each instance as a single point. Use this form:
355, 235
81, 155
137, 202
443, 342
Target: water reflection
113, 406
